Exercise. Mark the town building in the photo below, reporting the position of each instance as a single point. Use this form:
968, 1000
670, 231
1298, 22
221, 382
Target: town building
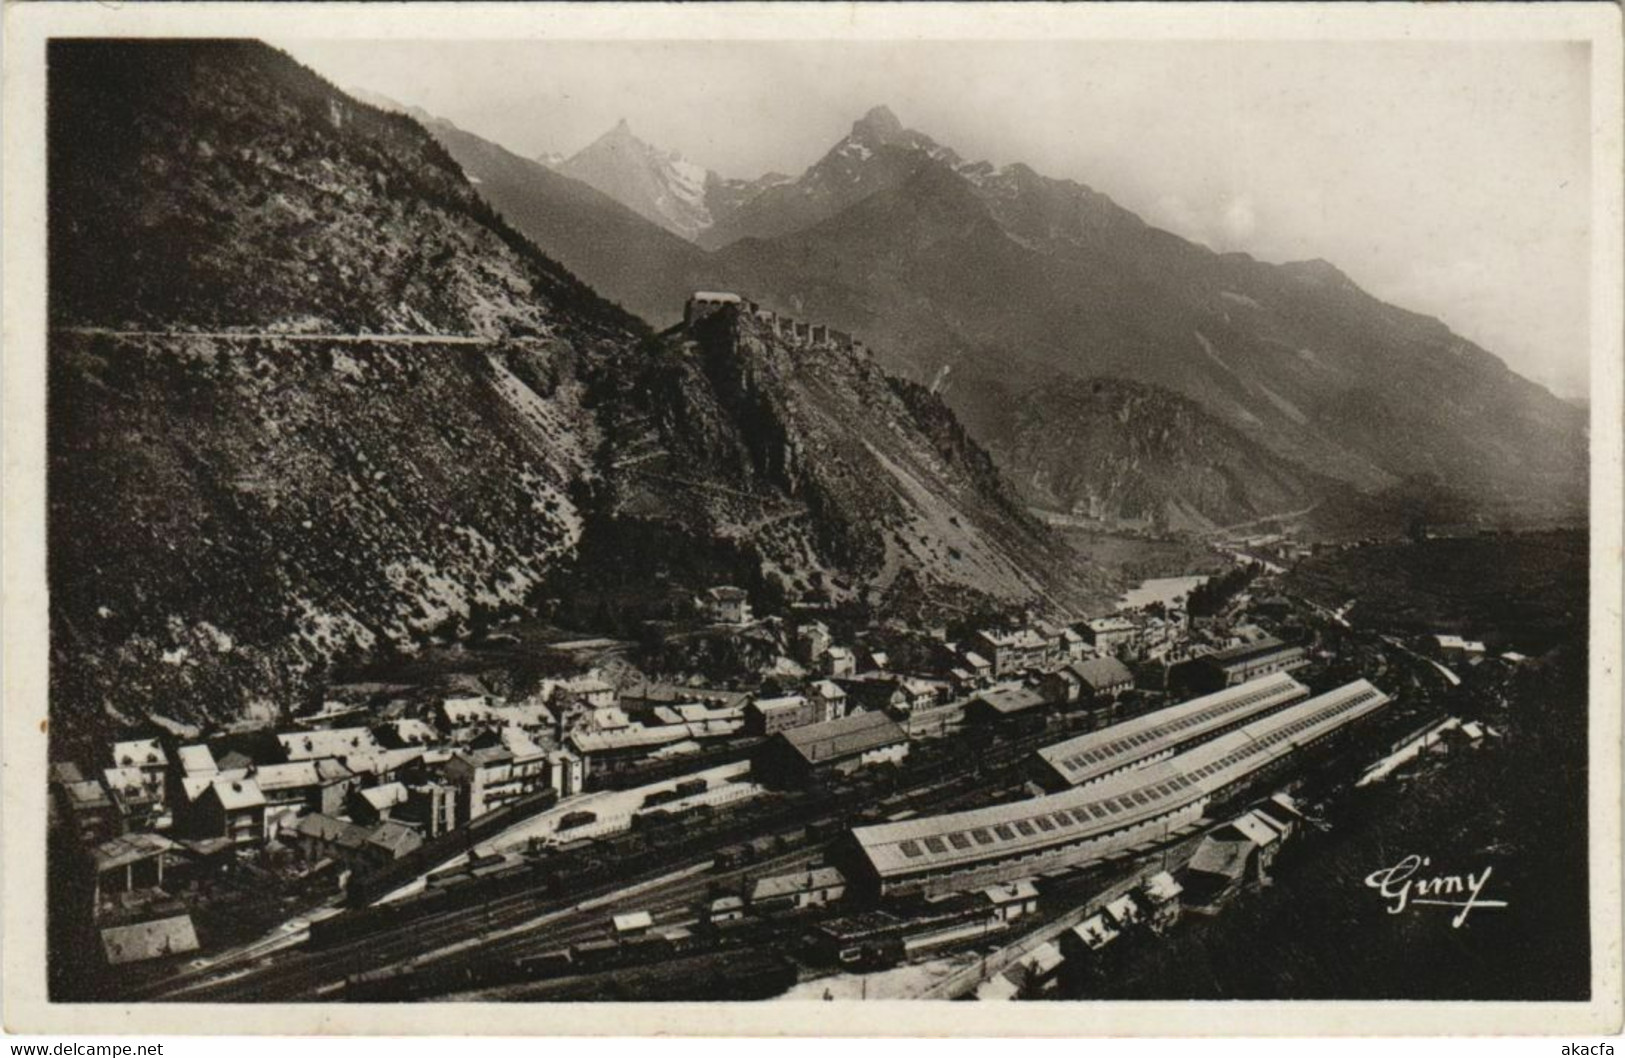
769, 716
358, 848
811, 642
798, 755
567, 772
1110, 635
297, 784
725, 909
143, 753
1012, 652
430, 807
1103, 677
485, 779
1456, 646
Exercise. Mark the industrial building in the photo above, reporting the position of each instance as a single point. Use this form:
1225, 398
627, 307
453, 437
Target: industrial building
1227, 668
1123, 814
1154, 736
800, 754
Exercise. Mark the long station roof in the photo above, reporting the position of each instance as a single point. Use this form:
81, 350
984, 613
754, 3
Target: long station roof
959, 839
1088, 757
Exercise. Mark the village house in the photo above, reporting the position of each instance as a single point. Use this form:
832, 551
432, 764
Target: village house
143, 753
832, 697
839, 662
196, 761
1161, 894
88, 810
811, 642
139, 796
233, 809
340, 743
729, 605
374, 805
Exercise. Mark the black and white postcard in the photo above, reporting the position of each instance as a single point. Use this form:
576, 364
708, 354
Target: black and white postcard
683, 517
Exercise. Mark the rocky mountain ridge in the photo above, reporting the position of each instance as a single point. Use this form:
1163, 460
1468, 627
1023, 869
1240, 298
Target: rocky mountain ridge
313, 401
990, 284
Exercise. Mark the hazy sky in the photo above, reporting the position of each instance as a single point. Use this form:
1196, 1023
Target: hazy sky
1449, 178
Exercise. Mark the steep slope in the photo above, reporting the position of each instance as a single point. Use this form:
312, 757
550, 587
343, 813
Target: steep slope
313, 400
993, 283
1125, 452
660, 186
605, 243
238, 493
842, 483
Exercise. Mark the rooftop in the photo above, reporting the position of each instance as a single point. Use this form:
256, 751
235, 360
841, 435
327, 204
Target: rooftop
843, 737
1102, 672
237, 794
149, 940
196, 760
128, 849
338, 742
931, 843
780, 885
1012, 699
138, 753
1087, 757
1240, 655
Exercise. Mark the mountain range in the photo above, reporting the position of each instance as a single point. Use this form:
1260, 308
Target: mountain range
996, 286
314, 401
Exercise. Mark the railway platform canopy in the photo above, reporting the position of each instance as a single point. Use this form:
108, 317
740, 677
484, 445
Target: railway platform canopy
1115, 812
1091, 757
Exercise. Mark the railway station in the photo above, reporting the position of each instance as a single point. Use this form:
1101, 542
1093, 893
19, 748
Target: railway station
1121, 814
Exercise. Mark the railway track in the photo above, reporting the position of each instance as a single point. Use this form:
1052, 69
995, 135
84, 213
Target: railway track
533, 921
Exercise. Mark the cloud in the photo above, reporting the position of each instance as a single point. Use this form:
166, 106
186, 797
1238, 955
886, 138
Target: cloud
1224, 222
1239, 221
